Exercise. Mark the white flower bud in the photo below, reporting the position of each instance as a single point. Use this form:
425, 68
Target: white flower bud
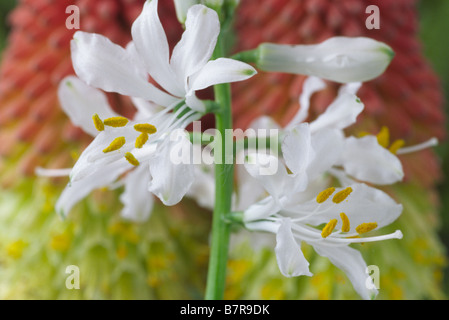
340, 59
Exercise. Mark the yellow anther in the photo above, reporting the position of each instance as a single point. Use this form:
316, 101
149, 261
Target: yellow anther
383, 137
342, 195
145, 127
327, 230
116, 144
396, 145
366, 227
141, 140
99, 125
131, 159
324, 195
116, 122
346, 225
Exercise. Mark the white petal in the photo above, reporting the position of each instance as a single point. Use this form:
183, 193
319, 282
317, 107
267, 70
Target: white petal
77, 190
352, 263
151, 43
270, 173
203, 187
311, 85
172, 173
290, 259
80, 102
328, 146
297, 149
197, 43
105, 65
137, 200
222, 70
182, 7
340, 59
366, 160
194, 103
341, 113
261, 210
93, 158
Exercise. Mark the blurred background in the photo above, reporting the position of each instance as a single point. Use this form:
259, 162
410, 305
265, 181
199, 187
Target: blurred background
166, 257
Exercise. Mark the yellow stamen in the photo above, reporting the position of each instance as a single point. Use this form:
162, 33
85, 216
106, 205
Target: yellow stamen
327, 230
396, 145
141, 140
383, 137
99, 125
346, 225
131, 159
324, 195
342, 195
366, 227
116, 144
145, 127
116, 122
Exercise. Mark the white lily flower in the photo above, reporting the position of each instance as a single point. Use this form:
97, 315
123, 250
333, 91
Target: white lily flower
107, 66
295, 208
340, 59
133, 152
346, 213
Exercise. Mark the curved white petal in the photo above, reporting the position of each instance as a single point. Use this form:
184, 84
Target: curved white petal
171, 170
151, 44
270, 173
366, 160
80, 102
107, 66
328, 146
197, 43
352, 263
222, 70
75, 191
137, 200
261, 210
310, 86
289, 256
93, 158
340, 59
341, 113
297, 149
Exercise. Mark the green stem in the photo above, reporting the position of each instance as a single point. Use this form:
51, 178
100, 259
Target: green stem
224, 173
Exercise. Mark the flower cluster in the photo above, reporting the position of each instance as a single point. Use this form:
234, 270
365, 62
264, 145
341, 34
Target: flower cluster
322, 187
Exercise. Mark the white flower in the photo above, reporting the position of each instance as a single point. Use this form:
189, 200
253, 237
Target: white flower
340, 59
107, 66
133, 153
298, 202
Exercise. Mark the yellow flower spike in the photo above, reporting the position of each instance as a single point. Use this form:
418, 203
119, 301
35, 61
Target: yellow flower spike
324, 195
366, 227
141, 140
346, 224
99, 125
116, 144
396, 145
145, 127
327, 230
383, 137
116, 122
342, 195
131, 159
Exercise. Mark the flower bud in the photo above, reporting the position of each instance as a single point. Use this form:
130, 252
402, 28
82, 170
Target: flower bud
340, 59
